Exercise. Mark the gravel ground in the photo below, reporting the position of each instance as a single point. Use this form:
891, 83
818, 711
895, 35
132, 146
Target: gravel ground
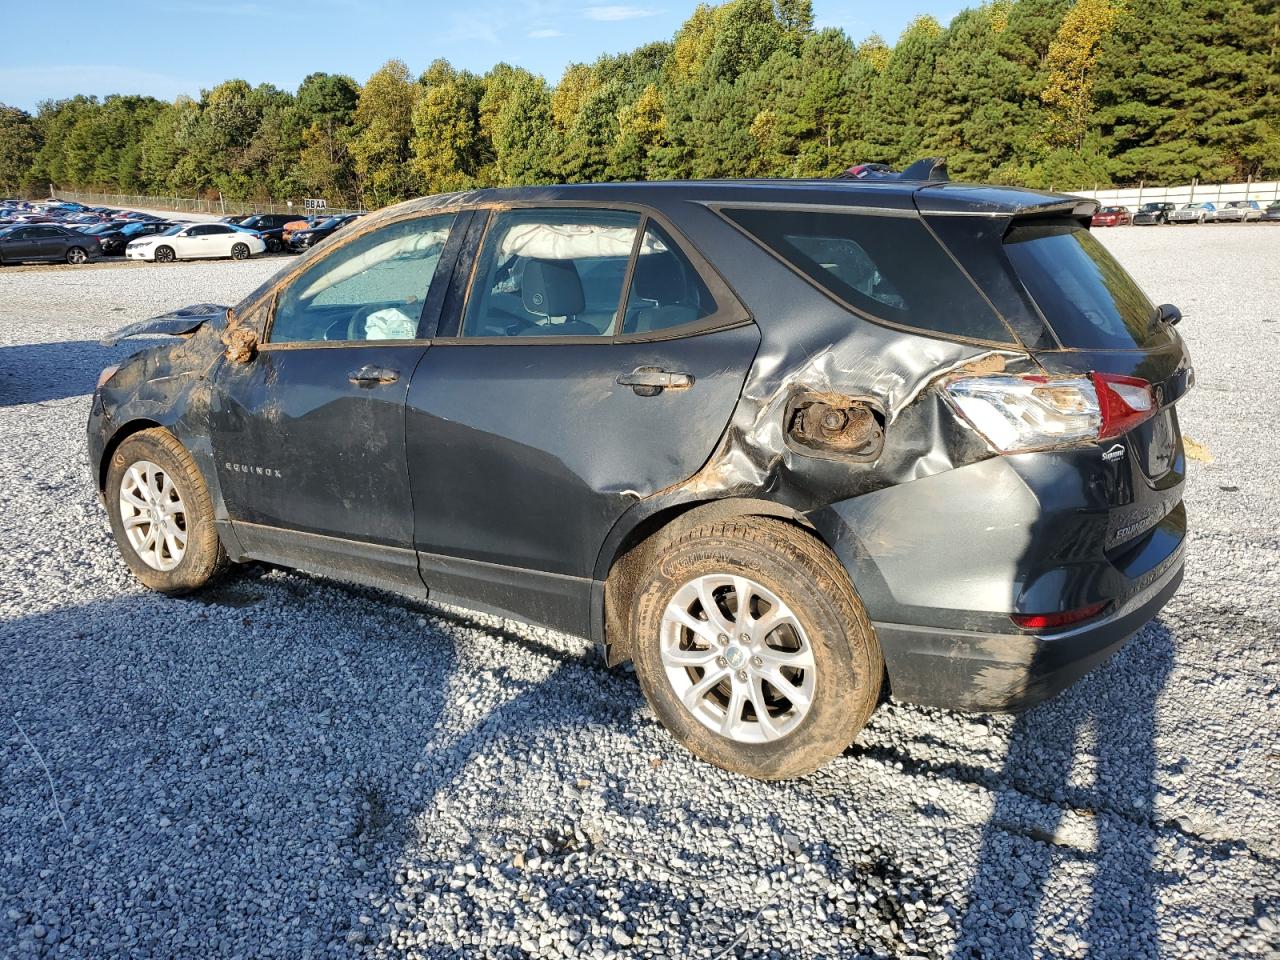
288, 767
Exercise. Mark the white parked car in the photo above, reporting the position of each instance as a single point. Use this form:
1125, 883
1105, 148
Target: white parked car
1239, 211
194, 241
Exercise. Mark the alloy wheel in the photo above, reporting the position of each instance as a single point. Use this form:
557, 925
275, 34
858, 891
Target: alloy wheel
76, 255
153, 515
738, 658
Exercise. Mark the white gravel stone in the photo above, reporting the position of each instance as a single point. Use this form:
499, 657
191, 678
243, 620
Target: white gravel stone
287, 767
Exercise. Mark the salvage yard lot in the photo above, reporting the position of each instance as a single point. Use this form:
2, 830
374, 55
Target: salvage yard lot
291, 767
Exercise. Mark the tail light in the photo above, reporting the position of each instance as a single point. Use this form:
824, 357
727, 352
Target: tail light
1053, 621
1031, 412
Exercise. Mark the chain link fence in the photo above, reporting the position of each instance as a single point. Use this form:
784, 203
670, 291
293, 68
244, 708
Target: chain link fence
196, 205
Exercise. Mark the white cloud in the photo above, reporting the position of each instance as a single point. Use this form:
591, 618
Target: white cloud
545, 33
612, 13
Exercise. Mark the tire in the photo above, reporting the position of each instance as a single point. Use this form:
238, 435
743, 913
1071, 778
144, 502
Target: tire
827, 635
77, 256
201, 559
273, 246
240, 251
165, 255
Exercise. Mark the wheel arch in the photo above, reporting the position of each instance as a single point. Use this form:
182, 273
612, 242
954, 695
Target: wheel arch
122, 433
633, 542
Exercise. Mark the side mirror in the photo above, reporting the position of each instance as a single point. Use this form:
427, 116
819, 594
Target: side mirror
1168, 313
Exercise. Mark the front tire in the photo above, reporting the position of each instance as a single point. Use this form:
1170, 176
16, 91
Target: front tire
77, 256
161, 514
273, 246
240, 251
165, 255
773, 687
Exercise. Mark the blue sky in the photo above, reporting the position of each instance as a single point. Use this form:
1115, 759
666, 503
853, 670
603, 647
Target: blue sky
168, 48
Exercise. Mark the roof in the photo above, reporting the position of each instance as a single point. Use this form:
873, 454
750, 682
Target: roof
932, 197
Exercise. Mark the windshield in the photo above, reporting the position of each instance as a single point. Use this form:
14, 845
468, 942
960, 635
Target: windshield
1085, 295
1110, 210
173, 231
327, 224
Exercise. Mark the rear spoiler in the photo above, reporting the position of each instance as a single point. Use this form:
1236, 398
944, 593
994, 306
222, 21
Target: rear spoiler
929, 169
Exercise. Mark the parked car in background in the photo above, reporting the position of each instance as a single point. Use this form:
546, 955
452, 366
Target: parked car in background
1191, 213
1272, 213
234, 218
1153, 214
293, 226
196, 241
308, 237
115, 237
269, 227
1112, 217
1238, 211
46, 242
829, 445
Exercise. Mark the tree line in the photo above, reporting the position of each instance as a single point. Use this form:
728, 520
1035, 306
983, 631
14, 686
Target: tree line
1044, 93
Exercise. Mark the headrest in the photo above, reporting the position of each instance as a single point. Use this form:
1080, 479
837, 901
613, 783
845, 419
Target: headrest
659, 277
552, 288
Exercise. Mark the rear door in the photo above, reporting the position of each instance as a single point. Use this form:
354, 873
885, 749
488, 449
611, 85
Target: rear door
309, 436
595, 362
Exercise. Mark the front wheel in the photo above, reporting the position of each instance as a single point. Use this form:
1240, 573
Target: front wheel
273, 246
165, 255
77, 256
161, 514
240, 251
753, 649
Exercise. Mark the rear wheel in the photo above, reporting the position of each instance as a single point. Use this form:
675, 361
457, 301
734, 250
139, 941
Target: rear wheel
77, 256
165, 255
161, 514
273, 245
753, 649
240, 251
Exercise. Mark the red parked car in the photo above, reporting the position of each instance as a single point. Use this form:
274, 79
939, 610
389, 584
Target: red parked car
1112, 217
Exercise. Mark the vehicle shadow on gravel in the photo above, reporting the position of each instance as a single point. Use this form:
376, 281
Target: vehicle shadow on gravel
1048, 824
40, 372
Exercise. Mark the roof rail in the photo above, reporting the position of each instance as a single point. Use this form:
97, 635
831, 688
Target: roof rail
928, 169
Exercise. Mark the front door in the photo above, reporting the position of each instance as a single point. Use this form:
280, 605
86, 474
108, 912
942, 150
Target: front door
560, 402
309, 436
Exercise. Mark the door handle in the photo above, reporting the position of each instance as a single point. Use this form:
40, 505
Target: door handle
651, 381
370, 374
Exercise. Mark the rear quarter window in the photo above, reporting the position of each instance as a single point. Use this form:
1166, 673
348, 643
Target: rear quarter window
1088, 299
886, 268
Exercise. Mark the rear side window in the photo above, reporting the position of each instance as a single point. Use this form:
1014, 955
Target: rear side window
1086, 296
889, 268
665, 289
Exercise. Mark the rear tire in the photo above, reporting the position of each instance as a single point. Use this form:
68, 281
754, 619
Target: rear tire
165, 255
161, 514
805, 628
240, 252
273, 246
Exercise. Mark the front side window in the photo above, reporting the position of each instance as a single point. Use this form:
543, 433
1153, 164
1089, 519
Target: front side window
889, 268
551, 273
370, 289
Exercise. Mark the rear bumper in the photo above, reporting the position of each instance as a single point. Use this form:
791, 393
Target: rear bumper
941, 562
1009, 672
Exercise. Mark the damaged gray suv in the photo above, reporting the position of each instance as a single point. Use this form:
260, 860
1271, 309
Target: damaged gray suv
788, 446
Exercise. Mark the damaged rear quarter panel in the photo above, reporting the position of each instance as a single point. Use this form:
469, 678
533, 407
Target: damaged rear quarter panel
811, 344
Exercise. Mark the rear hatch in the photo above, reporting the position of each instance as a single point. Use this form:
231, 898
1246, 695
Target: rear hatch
1102, 322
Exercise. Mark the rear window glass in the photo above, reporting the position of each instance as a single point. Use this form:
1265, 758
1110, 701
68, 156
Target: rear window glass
1086, 296
889, 268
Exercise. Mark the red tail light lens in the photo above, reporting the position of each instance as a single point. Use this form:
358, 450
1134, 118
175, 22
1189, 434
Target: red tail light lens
1124, 403
1052, 621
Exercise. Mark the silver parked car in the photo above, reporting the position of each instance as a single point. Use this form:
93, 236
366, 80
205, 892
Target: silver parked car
1272, 213
1192, 213
1238, 211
